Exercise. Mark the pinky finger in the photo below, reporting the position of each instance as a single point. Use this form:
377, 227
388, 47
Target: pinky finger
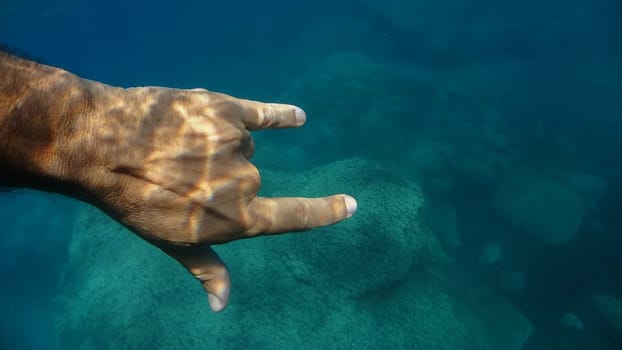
286, 214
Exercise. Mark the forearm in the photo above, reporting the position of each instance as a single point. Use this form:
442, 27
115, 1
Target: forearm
39, 106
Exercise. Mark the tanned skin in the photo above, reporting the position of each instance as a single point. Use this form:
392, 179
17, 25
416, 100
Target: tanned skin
171, 165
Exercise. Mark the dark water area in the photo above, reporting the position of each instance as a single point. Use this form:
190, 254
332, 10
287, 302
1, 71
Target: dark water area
505, 115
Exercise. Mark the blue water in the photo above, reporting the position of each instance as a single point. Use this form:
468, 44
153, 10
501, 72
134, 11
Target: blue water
502, 120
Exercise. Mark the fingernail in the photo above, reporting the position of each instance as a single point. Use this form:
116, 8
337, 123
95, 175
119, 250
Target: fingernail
219, 296
215, 303
350, 205
301, 116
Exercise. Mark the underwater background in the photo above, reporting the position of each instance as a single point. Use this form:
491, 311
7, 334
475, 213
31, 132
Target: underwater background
482, 140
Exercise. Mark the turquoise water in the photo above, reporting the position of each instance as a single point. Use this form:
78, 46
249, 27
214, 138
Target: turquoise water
481, 139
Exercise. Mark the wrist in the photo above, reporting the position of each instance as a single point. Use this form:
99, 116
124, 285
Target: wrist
38, 113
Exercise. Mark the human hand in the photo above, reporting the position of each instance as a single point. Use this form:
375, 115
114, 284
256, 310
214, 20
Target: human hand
173, 166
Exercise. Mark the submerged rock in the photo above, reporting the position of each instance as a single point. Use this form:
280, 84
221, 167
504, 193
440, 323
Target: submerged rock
609, 316
571, 320
374, 249
490, 253
378, 280
539, 206
588, 184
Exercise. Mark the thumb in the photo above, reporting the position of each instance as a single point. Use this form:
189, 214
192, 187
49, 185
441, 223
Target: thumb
217, 286
206, 266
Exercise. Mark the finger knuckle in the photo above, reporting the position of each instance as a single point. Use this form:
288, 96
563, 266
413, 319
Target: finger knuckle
306, 214
250, 175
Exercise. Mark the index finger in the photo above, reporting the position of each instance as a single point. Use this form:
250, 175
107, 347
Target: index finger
287, 214
259, 115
